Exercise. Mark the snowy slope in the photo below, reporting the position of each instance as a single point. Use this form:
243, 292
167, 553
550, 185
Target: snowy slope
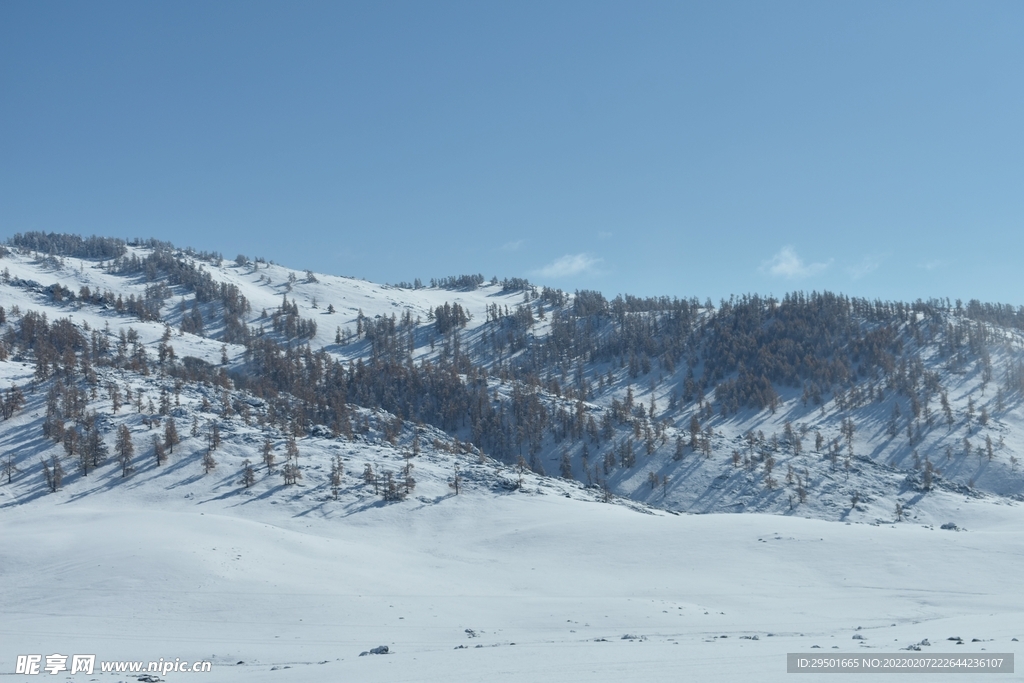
518, 576
875, 467
480, 587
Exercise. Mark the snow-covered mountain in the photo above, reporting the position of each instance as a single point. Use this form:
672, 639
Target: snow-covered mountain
946, 408
358, 455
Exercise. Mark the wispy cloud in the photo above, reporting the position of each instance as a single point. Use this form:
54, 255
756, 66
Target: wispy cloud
513, 246
931, 265
866, 266
788, 264
604, 235
570, 264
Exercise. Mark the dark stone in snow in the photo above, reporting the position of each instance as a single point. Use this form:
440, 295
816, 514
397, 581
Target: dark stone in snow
379, 650
949, 526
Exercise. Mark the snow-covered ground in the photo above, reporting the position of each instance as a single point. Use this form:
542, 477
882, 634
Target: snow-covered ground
547, 582
484, 587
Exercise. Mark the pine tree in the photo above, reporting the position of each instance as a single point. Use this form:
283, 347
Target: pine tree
158, 451
125, 450
268, 454
93, 450
291, 472
171, 435
115, 397
408, 482
695, 432
214, 436
391, 490
248, 474
337, 470
370, 477
565, 466
53, 473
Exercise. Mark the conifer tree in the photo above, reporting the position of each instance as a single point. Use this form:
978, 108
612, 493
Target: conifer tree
337, 470
171, 435
125, 450
158, 451
268, 454
248, 474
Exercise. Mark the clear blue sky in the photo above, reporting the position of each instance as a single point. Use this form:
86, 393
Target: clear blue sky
671, 148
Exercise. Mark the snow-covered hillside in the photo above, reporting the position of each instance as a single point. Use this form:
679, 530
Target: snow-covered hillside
176, 482
894, 450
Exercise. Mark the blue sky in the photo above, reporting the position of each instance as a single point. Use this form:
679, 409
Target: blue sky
692, 149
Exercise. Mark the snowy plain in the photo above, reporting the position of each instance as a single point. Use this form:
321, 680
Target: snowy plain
479, 587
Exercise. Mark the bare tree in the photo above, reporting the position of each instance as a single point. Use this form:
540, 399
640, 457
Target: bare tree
456, 482
208, 462
9, 469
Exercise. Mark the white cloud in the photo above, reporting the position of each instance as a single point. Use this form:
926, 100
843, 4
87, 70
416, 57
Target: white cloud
570, 264
513, 246
789, 265
931, 265
867, 265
